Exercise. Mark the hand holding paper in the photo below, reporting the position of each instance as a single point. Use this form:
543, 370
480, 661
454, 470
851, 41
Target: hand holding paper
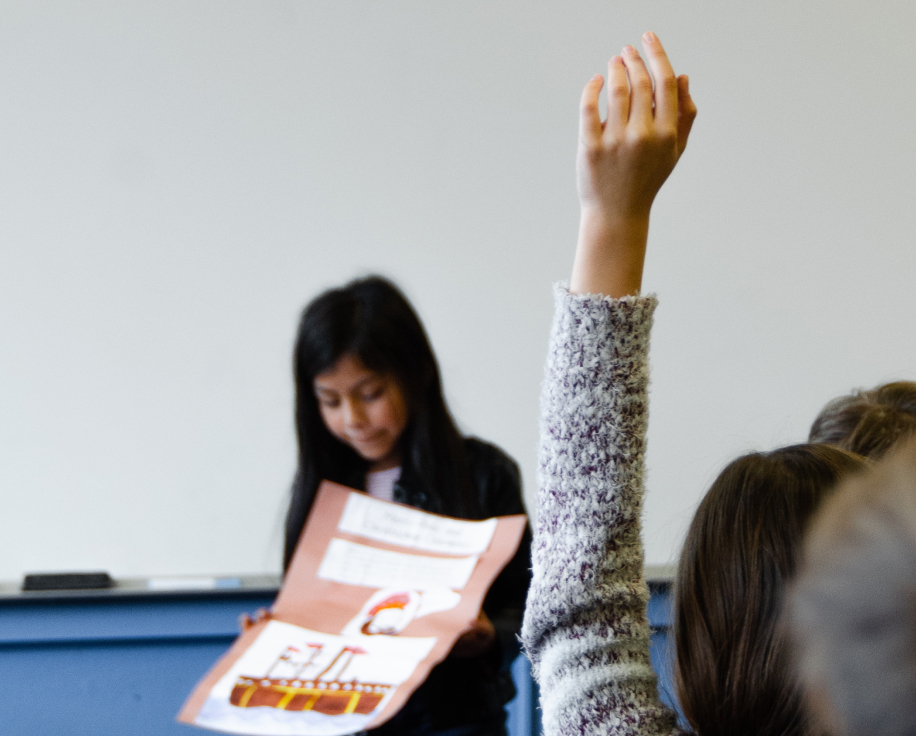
477, 639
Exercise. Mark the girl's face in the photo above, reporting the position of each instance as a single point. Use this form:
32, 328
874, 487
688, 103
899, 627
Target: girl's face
363, 409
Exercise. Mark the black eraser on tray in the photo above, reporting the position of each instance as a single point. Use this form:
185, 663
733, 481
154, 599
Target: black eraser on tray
67, 581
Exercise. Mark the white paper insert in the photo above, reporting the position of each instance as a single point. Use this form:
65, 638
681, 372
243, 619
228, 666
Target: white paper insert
356, 564
406, 527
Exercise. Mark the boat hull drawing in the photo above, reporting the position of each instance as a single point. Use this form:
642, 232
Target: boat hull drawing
323, 691
327, 698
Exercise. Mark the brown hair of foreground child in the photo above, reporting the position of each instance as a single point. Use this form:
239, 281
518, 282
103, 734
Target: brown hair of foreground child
733, 663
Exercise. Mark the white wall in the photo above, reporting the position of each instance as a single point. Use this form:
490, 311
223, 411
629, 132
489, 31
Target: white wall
180, 178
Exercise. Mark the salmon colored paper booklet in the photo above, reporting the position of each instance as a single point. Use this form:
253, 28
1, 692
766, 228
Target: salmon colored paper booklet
375, 596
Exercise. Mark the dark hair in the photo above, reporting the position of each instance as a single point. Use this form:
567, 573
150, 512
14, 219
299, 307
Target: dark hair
371, 319
868, 422
853, 605
732, 667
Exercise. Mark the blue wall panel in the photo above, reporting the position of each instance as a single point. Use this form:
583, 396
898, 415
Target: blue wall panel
118, 665
122, 688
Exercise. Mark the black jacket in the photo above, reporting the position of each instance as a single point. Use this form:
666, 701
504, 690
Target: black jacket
464, 690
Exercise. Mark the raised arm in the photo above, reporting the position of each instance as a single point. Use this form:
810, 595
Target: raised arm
585, 626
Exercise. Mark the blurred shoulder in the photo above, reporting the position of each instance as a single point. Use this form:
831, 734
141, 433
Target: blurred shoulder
485, 454
496, 476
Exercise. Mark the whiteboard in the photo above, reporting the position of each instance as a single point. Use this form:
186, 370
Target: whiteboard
179, 179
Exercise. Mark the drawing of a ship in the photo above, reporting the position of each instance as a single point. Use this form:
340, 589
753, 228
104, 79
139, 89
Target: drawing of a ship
288, 685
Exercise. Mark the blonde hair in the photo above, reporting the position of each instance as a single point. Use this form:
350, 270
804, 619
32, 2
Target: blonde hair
870, 422
853, 604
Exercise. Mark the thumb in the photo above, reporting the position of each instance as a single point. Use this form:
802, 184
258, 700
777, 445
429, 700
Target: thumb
686, 112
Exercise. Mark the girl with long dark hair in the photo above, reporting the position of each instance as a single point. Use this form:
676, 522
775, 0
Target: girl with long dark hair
370, 414
585, 623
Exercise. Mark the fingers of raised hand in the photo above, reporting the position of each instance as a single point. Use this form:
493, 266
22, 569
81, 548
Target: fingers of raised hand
618, 96
666, 84
641, 101
589, 115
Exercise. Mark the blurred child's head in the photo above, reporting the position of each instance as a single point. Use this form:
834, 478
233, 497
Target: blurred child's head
365, 334
742, 547
853, 605
868, 422
364, 369
368, 319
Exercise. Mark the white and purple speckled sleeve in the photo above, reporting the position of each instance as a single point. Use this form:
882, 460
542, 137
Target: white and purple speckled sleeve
585, 627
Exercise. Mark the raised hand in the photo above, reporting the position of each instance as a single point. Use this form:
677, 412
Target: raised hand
623, 162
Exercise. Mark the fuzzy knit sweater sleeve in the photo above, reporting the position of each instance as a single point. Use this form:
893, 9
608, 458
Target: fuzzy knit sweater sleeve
585, 627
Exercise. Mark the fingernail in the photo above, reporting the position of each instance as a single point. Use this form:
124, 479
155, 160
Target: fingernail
616, 60
649, 37
629, 50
